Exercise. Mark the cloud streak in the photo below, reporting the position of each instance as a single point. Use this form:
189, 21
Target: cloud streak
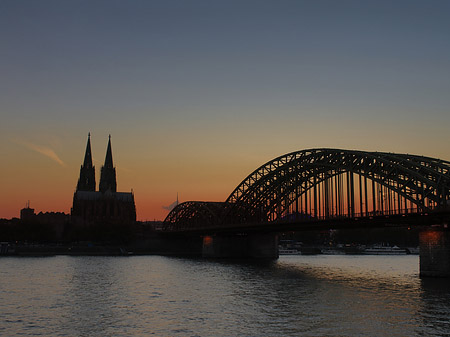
46, 151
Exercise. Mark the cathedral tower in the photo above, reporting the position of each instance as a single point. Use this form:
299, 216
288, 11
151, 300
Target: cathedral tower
108, 172
87, 170
104, 207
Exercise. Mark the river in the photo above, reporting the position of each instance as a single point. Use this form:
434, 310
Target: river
319, 295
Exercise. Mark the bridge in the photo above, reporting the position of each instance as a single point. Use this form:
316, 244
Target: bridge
326, 188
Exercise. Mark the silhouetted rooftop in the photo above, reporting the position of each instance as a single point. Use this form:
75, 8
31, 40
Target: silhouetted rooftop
90, 195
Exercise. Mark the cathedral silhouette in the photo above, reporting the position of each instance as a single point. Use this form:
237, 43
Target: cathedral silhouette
106, 206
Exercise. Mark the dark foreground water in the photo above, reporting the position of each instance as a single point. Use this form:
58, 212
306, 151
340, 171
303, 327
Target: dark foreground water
161, 296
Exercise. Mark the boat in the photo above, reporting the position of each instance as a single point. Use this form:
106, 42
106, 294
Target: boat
331, 251
288, 251
384, 250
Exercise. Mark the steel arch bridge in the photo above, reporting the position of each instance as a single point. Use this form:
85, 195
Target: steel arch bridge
324, 184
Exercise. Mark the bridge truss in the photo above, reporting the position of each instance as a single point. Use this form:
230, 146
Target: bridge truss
325, 184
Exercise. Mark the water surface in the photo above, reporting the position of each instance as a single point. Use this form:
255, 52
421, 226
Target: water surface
162, 296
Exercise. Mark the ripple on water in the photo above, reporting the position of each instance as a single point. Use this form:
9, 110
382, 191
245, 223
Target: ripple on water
151, 295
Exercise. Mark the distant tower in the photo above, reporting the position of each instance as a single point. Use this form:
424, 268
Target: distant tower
108, 173
27, 213
87, 170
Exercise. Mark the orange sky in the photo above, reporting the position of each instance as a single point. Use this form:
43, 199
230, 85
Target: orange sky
206, 171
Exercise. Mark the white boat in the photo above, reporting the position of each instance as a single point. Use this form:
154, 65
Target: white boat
384, 250
328, 251
288, 251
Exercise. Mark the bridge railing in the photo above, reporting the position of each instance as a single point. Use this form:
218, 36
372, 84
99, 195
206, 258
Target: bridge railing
359, 215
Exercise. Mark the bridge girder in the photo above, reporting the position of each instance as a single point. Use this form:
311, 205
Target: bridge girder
193, 214
269, 192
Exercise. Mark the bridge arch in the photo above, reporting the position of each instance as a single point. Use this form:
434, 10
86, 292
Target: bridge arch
193, 214
273, 188
327, 183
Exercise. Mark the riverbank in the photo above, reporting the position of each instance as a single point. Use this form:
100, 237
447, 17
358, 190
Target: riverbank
96, 249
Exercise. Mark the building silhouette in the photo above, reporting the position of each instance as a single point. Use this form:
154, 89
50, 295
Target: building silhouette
86, 182
106, 206
27, 213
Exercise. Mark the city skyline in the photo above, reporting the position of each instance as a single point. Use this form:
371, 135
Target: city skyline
197, 95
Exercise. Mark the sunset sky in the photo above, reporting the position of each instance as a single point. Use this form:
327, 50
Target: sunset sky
197, 94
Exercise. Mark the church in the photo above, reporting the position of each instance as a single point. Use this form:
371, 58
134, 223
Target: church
106, 206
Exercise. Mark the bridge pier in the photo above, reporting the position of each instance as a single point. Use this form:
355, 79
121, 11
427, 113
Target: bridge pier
262, 245
435, 252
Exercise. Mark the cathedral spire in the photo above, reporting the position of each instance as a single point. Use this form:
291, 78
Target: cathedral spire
108, 158
86, 182
88, 154
108, 172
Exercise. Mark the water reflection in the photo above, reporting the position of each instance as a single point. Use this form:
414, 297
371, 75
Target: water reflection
435, 310
91, 294
308, 296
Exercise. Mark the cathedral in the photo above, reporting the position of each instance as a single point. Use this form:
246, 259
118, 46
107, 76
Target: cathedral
106, 206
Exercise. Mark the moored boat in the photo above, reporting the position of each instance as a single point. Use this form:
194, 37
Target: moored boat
384, 250
284, 251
